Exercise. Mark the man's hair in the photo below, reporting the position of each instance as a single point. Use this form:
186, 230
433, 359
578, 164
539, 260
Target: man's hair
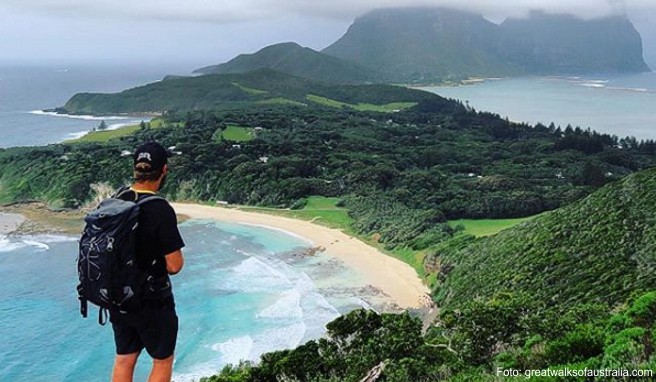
143, 173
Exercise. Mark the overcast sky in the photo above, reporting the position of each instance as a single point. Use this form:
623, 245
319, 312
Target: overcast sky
192, 33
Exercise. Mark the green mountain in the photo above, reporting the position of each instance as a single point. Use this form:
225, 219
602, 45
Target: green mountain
423, 44
261, 87
599, 249
426, 44
294, 59
546, 43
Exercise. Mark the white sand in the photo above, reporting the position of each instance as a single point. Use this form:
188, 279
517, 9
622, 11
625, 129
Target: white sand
10, 222
393, 277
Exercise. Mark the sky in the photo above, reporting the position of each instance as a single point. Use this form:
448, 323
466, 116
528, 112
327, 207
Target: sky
193, 33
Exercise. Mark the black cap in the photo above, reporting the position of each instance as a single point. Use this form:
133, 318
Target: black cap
151, 153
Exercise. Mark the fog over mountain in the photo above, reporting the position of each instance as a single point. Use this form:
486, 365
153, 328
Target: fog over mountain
197, 32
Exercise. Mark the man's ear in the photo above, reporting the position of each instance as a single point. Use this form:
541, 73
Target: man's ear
165, 170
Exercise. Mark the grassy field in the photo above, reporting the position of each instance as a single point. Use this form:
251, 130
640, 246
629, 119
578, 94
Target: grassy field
387, 108
319, 209
236, 134
106, 135
280, 101
250, 91
487, 227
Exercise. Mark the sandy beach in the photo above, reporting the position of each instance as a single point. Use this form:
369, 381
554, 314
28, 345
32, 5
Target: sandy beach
391, 276
10, 222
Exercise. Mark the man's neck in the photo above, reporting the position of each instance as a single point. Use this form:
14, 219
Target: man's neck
146, 187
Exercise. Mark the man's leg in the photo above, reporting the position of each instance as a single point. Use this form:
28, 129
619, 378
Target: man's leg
162, 370
124, 367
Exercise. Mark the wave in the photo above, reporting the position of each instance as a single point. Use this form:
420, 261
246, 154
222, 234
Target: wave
250, 348
256, 275
292, 234
40, 242
593, 85
74, 116
638, 90
288, 306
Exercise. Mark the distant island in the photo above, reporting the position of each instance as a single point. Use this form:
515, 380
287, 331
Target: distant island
427, 45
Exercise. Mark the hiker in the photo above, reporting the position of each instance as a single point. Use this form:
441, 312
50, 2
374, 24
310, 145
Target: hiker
158, 247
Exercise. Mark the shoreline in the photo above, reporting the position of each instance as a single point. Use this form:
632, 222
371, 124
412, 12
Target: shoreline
391, 276
395, 279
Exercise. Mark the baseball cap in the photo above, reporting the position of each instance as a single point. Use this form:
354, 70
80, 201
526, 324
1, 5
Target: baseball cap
151, 153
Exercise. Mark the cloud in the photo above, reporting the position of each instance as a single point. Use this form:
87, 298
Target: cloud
231, 11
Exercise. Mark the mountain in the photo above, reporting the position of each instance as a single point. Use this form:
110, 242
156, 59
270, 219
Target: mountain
294, 59
261, 87
426, 44
599, 249
423, 44
563, 44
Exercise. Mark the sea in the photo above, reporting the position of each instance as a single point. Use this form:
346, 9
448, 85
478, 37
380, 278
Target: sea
26, 91
245, 290
621, 105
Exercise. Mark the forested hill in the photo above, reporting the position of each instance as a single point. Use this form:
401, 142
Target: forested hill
260, 87
433, 44
294, 59
600, 249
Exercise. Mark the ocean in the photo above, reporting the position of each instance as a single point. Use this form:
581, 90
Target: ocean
245, 290
26, 91
622, 105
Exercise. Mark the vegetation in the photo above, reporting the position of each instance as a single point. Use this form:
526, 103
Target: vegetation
235, 133
486, 227
469, 344
230, 91
296, 60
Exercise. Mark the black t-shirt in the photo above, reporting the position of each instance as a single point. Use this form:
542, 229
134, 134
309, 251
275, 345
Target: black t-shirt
157, 236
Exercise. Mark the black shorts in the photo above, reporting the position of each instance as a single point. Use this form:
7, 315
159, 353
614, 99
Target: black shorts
155, 329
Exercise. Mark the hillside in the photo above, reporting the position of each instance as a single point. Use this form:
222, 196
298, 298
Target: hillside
296, 60
222, 91
600, 249
432, 44
561, 44
423, 44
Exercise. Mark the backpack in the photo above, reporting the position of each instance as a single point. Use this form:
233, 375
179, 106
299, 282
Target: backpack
107, 265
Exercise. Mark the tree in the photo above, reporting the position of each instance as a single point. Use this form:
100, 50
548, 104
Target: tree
102, 125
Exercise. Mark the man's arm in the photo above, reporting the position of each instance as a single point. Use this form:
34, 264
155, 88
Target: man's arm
174, 262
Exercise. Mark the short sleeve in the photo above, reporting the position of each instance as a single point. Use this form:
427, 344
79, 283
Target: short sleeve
167, 233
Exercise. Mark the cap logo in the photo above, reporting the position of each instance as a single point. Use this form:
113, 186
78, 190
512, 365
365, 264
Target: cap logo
144, 156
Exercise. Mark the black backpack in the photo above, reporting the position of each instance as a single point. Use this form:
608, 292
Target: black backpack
107, 266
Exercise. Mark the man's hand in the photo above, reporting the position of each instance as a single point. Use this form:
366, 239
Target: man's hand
174, 262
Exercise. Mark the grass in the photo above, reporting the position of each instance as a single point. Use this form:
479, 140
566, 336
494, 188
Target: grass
280, 101
237, 134
248, 90
487, 227
319, 209
107, 135
386, 108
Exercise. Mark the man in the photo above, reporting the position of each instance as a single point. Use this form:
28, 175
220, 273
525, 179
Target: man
158, 250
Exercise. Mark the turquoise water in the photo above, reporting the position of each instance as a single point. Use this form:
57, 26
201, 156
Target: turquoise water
245, 290
621, 105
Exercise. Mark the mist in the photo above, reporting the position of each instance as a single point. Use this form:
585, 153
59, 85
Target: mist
183, 36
